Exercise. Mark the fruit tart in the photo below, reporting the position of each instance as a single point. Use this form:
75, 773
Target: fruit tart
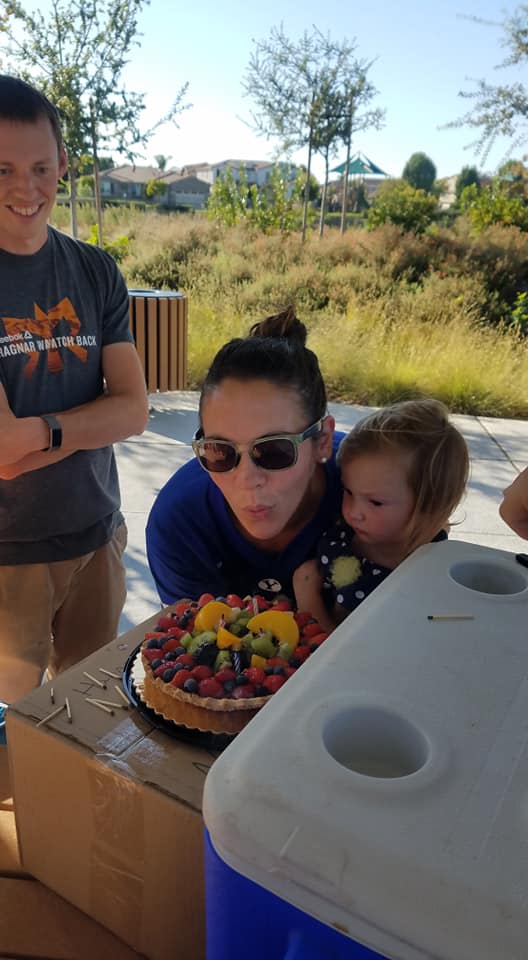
212, 664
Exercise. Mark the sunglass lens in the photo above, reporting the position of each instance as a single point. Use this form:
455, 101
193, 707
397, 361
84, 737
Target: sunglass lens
217, 457
277, 454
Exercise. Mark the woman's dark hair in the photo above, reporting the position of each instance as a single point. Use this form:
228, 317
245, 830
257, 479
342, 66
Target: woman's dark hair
22, 103
275, 350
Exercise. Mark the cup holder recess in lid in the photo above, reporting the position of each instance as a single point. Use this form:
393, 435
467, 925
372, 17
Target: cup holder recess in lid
490, 577
375, 742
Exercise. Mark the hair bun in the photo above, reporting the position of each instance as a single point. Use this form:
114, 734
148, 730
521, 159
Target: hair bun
285, 325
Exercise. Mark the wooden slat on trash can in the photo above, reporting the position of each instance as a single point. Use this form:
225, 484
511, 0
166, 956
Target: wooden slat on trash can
158, 321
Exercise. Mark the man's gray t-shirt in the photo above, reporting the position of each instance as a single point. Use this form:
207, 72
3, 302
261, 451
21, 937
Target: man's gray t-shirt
58, 309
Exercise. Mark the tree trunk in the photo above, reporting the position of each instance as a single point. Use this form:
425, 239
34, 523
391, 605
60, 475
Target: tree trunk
97, 187
323, 200
307, 187
72, 174
344, 201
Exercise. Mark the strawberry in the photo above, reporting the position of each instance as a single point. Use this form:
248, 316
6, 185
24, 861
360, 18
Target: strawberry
282, 605
180, 608
152, 655
289, 670
255, 675
233, 600
311, 629
166, 623
301, 618
277, 662
224, 675
273, 682
155, 635
201, 672
243, 692
301, 652
186, 659
205, 598
209, 687
173, 643
159, 670
316, 641
261, 603
179, 679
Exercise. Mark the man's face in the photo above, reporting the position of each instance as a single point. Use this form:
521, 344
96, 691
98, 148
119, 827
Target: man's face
30, 166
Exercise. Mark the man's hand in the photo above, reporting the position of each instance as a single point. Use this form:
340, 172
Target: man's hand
514, 507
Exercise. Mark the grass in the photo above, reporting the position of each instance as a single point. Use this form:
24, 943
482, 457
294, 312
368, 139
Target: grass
390, 315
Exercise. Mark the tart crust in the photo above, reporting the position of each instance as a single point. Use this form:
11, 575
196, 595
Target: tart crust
198, 713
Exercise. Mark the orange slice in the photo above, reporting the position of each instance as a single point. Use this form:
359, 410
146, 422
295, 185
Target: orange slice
279, 622
209, 616
225, 639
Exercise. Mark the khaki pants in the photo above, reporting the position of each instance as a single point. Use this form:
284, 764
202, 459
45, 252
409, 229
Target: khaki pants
54, 614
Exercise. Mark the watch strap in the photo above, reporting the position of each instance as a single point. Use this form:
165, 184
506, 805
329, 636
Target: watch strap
55, 431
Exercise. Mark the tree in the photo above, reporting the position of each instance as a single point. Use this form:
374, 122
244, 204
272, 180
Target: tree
466, 177
162, 160
77, 55
300, 89
155, 188
500, 110
492, 205
420, 172
396, 201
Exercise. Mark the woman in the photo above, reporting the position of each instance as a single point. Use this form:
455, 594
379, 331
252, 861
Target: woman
250, 508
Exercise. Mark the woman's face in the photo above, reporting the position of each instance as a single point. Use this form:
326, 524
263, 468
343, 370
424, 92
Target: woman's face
266, 503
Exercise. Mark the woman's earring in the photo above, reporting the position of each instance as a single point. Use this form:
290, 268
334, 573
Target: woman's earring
323, 459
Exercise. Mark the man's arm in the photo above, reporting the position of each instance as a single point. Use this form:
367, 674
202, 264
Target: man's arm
514, 507
117, 414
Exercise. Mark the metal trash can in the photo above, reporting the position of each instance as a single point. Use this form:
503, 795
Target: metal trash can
158, 321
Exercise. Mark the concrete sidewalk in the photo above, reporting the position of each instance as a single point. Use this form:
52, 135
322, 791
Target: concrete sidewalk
498, 451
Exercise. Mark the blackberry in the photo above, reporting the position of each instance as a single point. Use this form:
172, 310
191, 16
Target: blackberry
206, 654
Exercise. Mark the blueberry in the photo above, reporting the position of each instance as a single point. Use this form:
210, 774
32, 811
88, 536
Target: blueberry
154, 643
183, 621
178, 666
269, 670
229, 686
261, 691
171, 655
190, 685
279, 671
241, 680
168, 674
296, 662
221, 600
155, 663
179, 651
314, 647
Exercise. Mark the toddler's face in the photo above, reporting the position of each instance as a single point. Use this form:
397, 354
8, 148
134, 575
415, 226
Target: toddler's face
377, 500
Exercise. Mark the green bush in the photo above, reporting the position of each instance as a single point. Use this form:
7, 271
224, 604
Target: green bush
398, 202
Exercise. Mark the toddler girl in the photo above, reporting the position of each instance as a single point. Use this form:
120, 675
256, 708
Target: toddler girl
403, 469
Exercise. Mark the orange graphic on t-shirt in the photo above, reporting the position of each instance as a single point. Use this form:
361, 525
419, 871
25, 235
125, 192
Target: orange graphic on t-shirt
42, 325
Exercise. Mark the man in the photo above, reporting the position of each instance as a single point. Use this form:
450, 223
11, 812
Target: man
70, 385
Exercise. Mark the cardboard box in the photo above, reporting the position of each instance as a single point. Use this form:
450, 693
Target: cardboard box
10, 865
108, 810
34, 922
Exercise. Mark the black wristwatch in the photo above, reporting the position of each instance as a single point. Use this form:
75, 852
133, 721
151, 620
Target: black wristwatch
55, 431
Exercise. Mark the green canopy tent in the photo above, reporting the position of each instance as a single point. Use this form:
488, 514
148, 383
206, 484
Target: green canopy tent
360, 166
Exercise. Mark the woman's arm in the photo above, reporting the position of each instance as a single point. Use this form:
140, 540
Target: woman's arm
514, 507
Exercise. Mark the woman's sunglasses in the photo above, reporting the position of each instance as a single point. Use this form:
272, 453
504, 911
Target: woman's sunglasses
277, 452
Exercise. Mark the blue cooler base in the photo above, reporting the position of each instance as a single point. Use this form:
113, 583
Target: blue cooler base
246, 920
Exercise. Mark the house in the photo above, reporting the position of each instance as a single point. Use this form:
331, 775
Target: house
184, 190
256, 171
127, 182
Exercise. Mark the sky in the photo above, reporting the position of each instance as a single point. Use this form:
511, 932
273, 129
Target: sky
423, 55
